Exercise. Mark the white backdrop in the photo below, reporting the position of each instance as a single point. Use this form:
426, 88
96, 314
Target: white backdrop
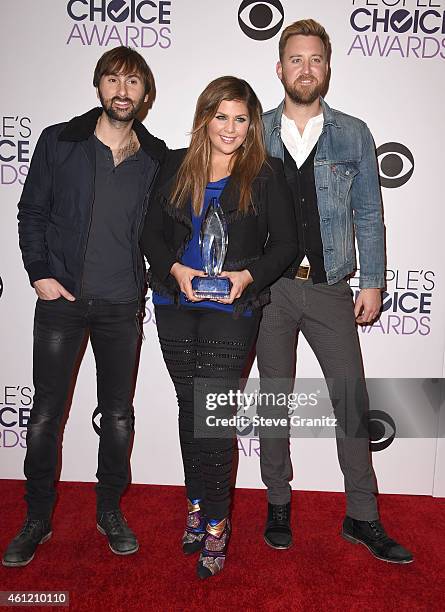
392, 79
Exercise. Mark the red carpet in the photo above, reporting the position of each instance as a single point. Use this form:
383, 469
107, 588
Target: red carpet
321, 572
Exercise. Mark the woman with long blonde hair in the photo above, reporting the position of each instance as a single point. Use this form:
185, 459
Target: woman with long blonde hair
210, 340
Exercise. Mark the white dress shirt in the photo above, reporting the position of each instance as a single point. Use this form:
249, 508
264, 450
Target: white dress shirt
299, 146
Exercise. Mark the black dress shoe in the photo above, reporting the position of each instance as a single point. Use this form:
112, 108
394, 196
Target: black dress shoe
22, 548
278, 533
121, 539
374, 537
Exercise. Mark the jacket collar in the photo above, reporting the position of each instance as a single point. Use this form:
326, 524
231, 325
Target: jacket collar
82, 127
328, 115
276, 120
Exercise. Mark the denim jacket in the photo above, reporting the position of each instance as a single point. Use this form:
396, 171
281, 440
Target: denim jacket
348, 194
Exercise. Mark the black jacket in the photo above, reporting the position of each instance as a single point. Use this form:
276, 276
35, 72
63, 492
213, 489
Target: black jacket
57, 199
264, 241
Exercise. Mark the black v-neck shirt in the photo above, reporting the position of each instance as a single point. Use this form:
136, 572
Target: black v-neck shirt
108, 269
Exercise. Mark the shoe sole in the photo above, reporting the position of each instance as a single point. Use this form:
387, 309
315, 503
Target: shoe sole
193, 551
117, 552
23, 563
353, 540
269, 543
204, 573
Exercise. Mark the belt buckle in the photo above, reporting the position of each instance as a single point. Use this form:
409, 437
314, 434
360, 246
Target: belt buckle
303, 272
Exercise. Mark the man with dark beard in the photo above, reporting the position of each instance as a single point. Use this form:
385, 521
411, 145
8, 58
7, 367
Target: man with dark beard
331, 168
80, 217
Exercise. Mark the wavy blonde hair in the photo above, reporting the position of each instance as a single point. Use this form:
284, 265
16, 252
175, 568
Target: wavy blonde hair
194, 172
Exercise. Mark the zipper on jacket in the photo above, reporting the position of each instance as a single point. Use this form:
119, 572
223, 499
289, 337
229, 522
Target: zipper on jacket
89, 226
144, 209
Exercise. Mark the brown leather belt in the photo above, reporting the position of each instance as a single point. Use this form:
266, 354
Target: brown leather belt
303, 272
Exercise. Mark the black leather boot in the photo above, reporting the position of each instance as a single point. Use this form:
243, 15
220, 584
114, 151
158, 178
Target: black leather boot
278, 533
374, 537
121, 539
22, 548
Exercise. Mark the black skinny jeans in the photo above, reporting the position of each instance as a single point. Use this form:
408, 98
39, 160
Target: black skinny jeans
205, 343
60, 328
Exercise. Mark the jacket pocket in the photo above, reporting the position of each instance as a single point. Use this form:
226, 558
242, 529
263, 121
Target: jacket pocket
343, 174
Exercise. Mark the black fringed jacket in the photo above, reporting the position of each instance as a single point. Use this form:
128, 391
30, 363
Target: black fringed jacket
263, 241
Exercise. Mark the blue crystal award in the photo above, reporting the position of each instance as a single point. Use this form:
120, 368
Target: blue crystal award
213, 240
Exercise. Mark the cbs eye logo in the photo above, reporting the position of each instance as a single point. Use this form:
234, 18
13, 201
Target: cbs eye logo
396, 164
1, 287
382, 430
260, 20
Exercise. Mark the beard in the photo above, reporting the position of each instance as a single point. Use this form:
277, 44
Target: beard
118, 114
303, 94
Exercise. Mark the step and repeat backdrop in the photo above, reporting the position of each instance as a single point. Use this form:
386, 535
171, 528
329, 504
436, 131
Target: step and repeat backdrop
387, 68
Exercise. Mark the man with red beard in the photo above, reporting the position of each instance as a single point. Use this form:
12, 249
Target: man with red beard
80, 218
331, 168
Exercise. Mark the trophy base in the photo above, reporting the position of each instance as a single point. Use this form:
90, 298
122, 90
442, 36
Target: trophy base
206, 287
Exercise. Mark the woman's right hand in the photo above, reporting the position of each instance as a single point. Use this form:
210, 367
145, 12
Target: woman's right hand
184, 276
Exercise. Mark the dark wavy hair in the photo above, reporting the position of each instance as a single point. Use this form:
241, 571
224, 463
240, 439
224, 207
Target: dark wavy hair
124, 60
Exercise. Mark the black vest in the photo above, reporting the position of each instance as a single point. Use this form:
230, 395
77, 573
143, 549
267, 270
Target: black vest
302, 184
